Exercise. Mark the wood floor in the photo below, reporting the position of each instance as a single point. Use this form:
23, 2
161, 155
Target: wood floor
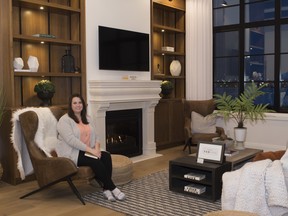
59, 200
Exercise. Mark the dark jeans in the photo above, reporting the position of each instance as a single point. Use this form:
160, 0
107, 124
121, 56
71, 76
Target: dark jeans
101, 167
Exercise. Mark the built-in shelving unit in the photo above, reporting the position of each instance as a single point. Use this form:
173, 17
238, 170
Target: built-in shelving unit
168, 30
65, 19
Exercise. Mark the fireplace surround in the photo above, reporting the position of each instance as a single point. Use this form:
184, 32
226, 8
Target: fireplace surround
114, 95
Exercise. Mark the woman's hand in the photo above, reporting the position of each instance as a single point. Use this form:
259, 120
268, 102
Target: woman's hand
95, 151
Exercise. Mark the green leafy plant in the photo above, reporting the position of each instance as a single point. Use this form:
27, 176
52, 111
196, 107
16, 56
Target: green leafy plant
166, 87
243, 107
44, 86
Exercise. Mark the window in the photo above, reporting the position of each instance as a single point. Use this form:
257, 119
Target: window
224, 14
226, 62
284, 67
259, 10
284, 8
252, 45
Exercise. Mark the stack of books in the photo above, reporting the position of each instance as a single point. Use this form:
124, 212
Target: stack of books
44, 35
194, 176
194, 188
168, 49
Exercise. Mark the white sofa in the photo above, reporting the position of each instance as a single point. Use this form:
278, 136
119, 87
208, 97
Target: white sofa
260, 187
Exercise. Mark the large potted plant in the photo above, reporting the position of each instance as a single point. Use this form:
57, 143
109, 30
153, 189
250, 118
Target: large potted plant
242, 109
45, 90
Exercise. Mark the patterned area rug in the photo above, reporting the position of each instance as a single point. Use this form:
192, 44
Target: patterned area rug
150, 195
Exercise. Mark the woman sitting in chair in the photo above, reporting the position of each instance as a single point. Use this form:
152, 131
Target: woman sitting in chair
77, 137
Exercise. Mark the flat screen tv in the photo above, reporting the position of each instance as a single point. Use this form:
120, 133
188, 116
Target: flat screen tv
123, 50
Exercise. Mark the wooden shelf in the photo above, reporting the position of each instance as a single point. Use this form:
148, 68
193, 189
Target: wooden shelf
38, 74
32, 39
159, 28
160, 52
48, 7
169, 5
162, 76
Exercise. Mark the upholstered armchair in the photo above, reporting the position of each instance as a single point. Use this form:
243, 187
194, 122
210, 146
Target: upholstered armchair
204, 108
49, 170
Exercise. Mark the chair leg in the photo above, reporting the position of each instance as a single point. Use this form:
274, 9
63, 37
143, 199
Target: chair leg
35, 191
41, 188
188, 143
76, 192
185, 146
68, 179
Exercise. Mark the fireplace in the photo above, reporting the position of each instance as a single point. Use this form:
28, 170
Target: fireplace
124, 132
119, 95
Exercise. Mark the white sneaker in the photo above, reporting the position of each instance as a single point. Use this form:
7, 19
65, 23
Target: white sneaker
118, 194
108, 195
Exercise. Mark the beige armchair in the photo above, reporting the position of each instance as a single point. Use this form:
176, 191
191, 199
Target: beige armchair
203, 107
49, 170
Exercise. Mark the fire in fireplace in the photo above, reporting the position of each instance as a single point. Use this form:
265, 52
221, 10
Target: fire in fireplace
124, 132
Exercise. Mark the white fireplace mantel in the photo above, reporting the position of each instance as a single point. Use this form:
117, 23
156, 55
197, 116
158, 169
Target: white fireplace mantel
122, 95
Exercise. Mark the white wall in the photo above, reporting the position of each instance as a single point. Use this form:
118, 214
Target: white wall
269, 135
133, 15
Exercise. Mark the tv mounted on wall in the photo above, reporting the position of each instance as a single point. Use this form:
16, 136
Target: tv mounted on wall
123, 50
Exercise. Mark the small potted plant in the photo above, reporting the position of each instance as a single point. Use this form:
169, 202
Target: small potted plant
45, 90
242, 108
166, 88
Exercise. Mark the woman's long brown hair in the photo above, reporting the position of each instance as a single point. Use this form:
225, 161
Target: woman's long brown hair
83, 112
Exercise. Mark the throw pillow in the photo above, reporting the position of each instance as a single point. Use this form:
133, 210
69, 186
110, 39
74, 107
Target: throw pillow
201, 124
273, 155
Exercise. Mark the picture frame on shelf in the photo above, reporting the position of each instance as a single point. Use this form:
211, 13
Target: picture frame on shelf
210, 152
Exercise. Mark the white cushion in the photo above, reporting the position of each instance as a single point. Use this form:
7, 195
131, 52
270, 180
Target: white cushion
201, 124
284, 161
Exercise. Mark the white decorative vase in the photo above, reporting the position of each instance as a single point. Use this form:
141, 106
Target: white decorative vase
240, 137
175, 68
18, 63
33, 63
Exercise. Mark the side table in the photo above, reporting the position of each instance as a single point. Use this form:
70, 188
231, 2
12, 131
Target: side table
211, 183
238, 160
242, 157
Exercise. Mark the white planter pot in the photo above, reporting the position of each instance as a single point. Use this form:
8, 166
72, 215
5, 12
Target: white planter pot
240, 137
